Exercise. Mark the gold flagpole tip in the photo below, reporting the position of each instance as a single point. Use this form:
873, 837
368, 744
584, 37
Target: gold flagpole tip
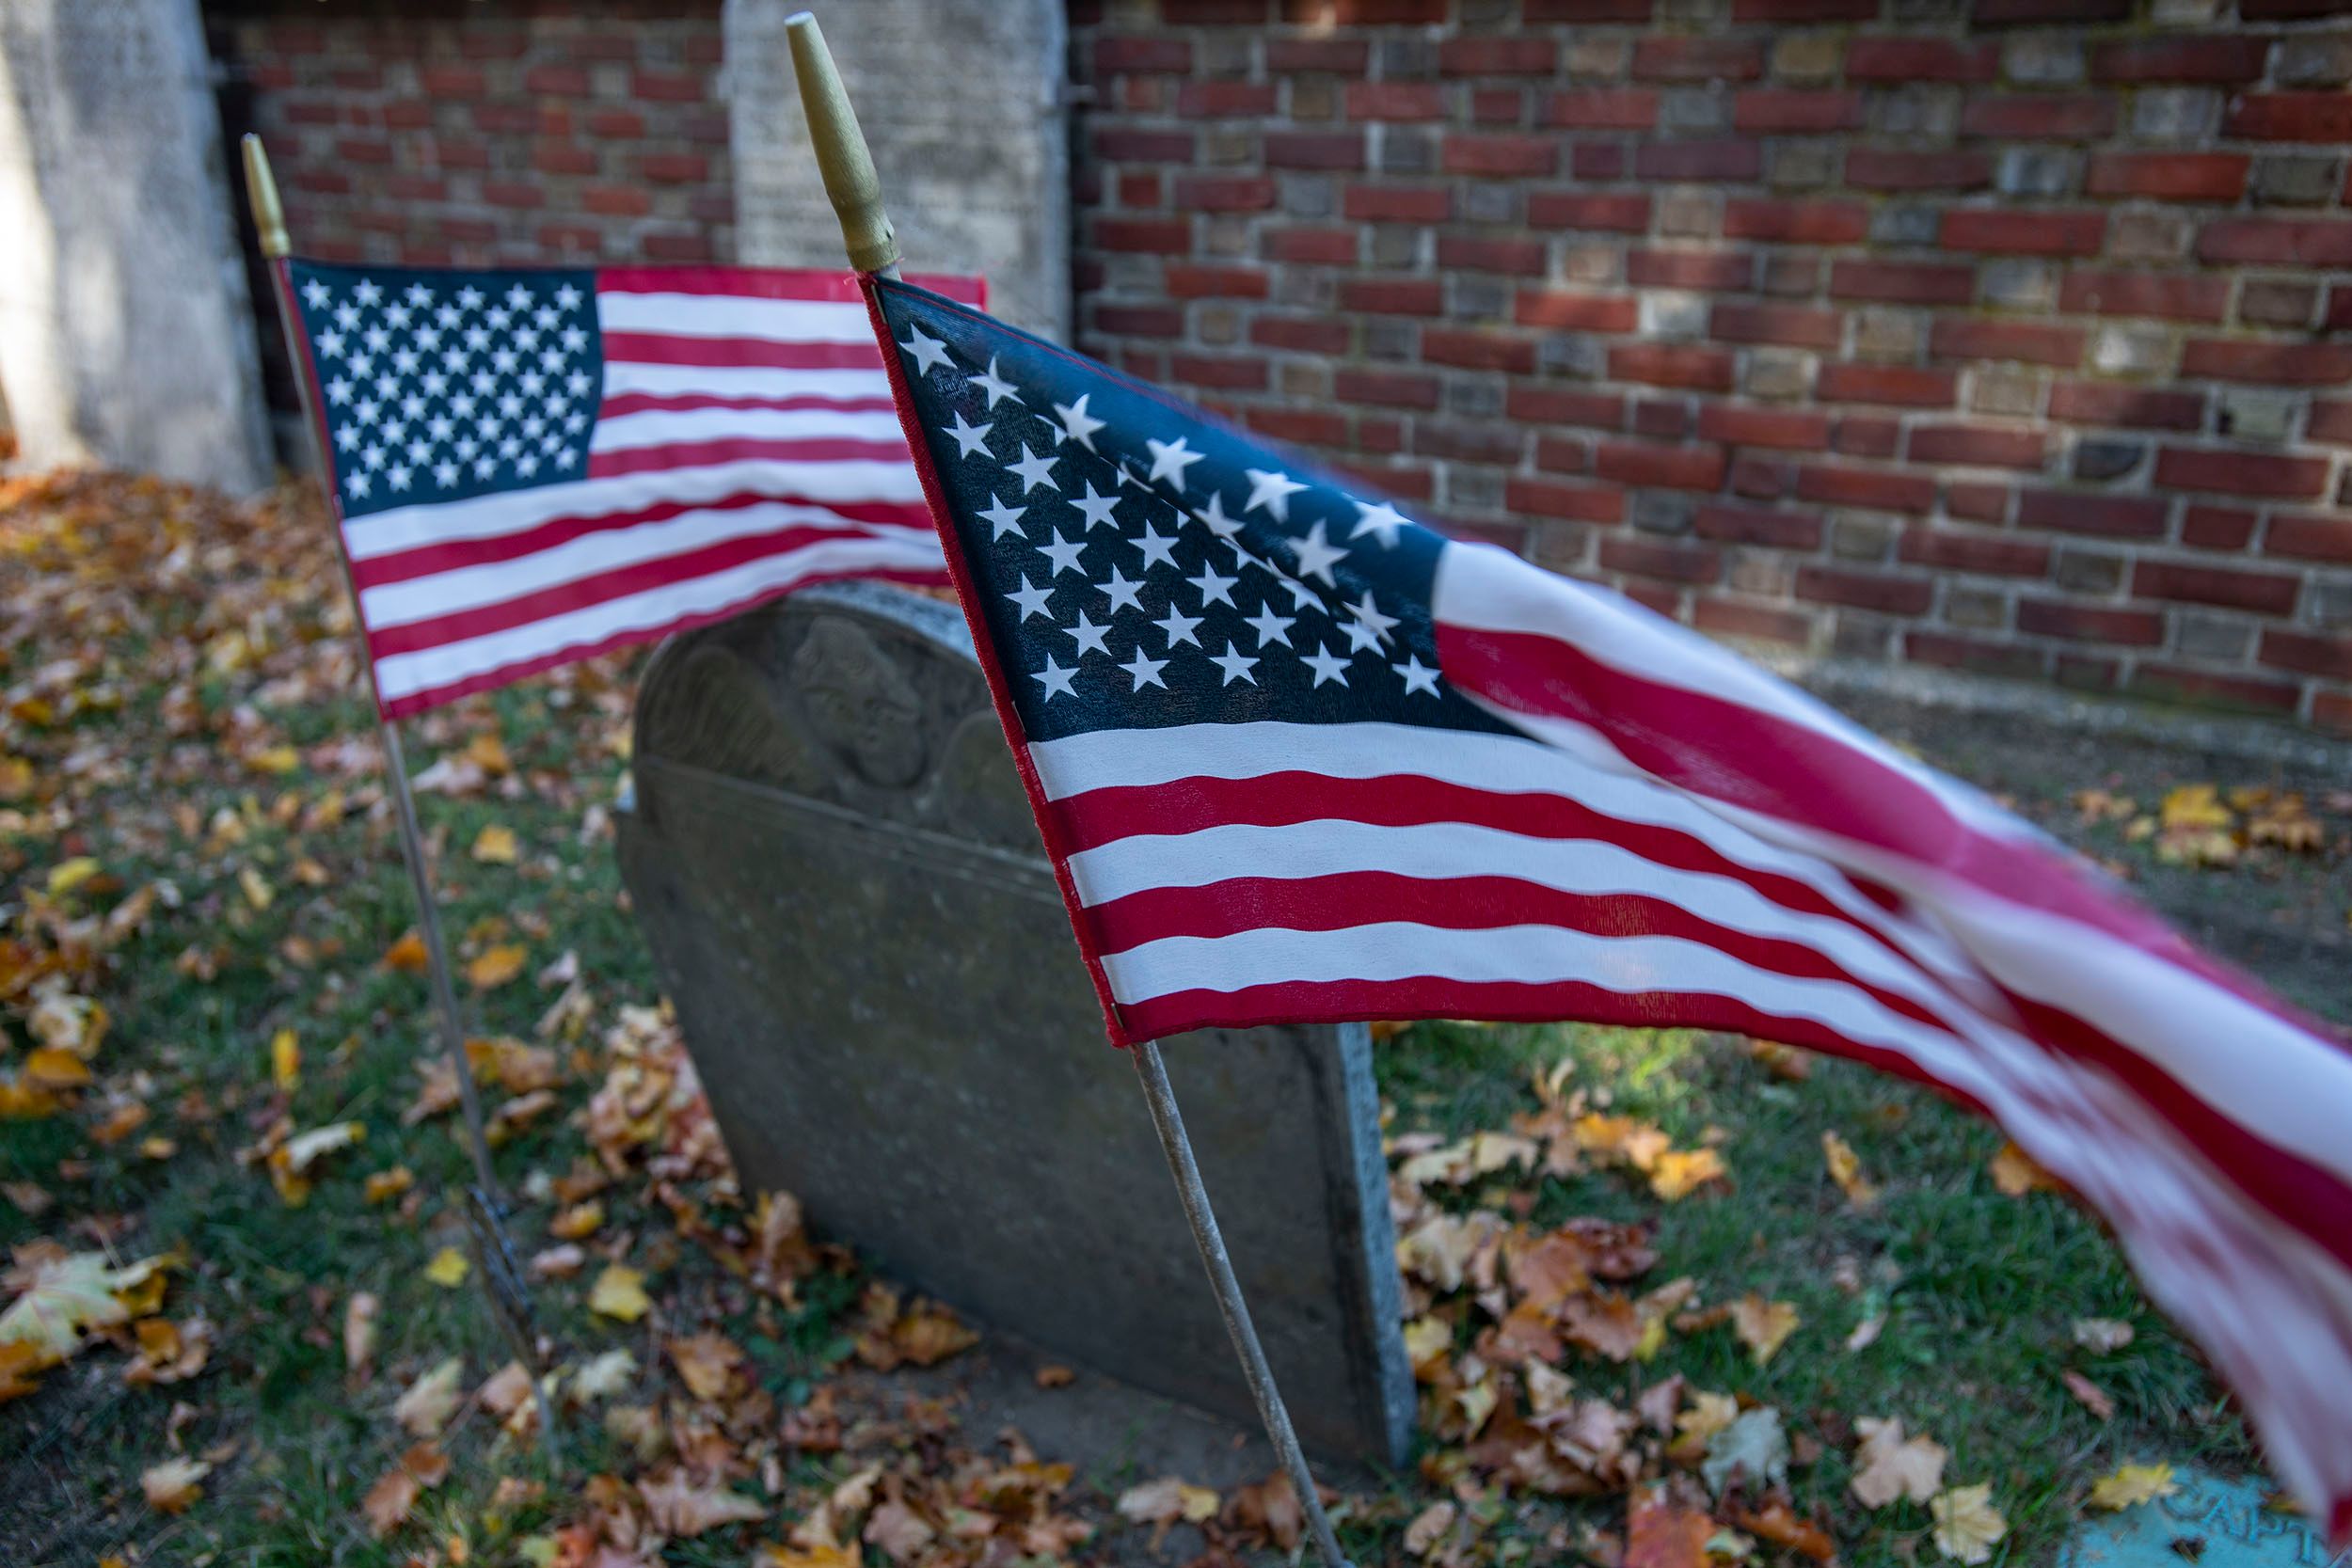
842, 159
260, 195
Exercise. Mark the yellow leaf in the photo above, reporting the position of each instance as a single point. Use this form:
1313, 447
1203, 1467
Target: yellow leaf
1677, 1173
171, 1486
2196, 806
275, 759
2132, 1484
1966, 1523
1427, 1342
488, 753
1763, 1325
580, 1219
384, 1185
2016, 1172
67, 1295
285, 1060
425, 1407
449, 1268
67, 875
495, 845
257, 888
52, 1069
708, 1363
620, 1293
495, 966
1845, 1169
1888, 1466
408, 955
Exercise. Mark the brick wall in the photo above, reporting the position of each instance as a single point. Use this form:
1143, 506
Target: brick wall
2007, 335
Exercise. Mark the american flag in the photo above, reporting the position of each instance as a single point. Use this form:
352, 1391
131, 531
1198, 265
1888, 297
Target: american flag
533, 466
1298, 757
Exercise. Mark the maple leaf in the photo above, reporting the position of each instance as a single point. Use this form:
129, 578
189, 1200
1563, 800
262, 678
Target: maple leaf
2101, 1335
898, 1530
496, 966
2132, 1484
1783, 1526
929, 1335
408, 956
1659, 1534
495, 845
504, 1391
708, 1363
388, 1502
605, 1375
384, 1185
1675, 1174
449, 1268
2016, 1173
425, 1407
1161, 1503
1845, 1169
171, 1486
1966, 1523
580, 1220
1428, 1528
65, 1297
1763, 1325
678, 1506
620, 1293
822, 1554
1888, 1465
1752, 1445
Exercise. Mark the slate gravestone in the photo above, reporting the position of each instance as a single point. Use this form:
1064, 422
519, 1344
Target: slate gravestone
833, 862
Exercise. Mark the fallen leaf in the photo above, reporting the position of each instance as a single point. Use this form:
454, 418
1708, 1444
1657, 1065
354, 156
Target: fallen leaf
2101, 1335
1783, 1526
680, 1507
359, 1315
898, 1530
1763, 1325
1677, 1173
408, 956
1752, 1447
2133, 1485
285, 1060
1162, 1503
387, 1503
67, 875
1845, 1169
385, 1185
604, 1376
495, 966
708, 1363
449, 1268
1888, 1465
171, 1486
2015, 1174
1054, 1375
1658, 1534
2089, 1395
1966, 1523
620, 1293
256, 888
495, 845
1429, 1528
580, 1220
427, 1404
67, 1296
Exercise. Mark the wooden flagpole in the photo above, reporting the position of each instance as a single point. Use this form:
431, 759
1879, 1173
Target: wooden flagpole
502, 1279
855, 191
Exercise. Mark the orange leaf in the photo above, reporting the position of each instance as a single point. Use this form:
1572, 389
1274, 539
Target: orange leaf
1780, 1525
1659, 1535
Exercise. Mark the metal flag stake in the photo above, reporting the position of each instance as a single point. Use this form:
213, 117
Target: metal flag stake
485, 1209
855, 191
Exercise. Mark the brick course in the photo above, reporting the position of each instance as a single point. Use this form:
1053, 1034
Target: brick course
2013, 351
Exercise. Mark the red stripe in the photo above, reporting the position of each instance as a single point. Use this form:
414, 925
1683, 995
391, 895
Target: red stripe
618, 582
662, 348
678, 402
771, 283
506, 675
452, 555
688, 454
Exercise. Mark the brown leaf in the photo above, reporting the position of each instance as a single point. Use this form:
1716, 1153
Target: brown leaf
1763, 1325
708, 1363
898, 1530
2016, 1172
1780, 1525
1888, 1465
2090, 1394
171, 1486
389, 1501
496, 966
680, 1507
359, 1315
1660, 1535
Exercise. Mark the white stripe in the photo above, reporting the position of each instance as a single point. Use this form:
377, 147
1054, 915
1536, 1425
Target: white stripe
403, 674
397, 604
781, 321
656, 427
740, 381
511, 511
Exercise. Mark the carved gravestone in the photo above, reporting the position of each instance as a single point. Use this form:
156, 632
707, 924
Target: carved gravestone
833, 862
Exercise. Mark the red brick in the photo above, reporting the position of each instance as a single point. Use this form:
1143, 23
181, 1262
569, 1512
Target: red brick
2296, 364
1794, 222
2286, 242
1656, 558
1902, 282
1226, 100
1703, 370
1920, 59
1397, 203
1396, 101
1978, 500
1140, 321
1667, 419
1867, 435
1565, 406
1612, 212
1522, 258
1699, 160
2167, 297
1664, 467
1309, 427
616, 200
1130, 144
1982, 446
2313, 116
1658, 58
1384, 388
1499, 55
1304, 334
2309, 652
1885, 169
669, 86
1602, 108
2041, 115
1747, 425
1577, 312
1922, 646
674, 168
2269, 593
1314, 150
1328, 246
1200, 369
1309, 55
2198, 57
517, 194
2332, 711
2217, 177
1746, 618
1842, 585
1689, 269
449, 81
1593, 160
2089, 624
2000, 13
1547, 498
1500, 155
1160, 236
2109, 516
1870, 487
1756, 525
1186, 281
2141, 407
1903, 385
1994, 554
1733, 322
1566, 454
1115, 53
2173, 682
2330, 421
1763, 110
1804, 11
2008, 233
2309, 536
1487, 442
2242, 473
561, 80
1984, 338
1396, 297
1760, 478
693, 247
1477, 351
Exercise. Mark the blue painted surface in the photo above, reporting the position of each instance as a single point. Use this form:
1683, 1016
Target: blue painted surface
2228, 1516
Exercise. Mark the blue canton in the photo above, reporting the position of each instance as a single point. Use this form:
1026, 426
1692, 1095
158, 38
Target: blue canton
437, 385
1140, 565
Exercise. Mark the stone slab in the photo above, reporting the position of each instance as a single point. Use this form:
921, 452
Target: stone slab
831, 857
2211, 1521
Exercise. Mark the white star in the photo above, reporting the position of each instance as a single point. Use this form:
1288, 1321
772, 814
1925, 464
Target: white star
1367, 613
358, 483
1315, 555
517, 298
1077, 424
347, 316
1214, 589
1064, 554
1098, 508
1004, 518
346, 437
1418, 676
1171, 458
971, 438
1054, 678
1031, 599
331, 345
398, 473
339, 392
419, 295
1302, 598
567, 296
445, 474
314, 295
1217, 522
993, 384
448, 315
1122, 594
1271, 627
1088, 636
1382, 520
1360, 637
1327, 665
1035, 468
1146, 671
925, 350
1157, 548
1178, 627
1273, 490
368, 292
1238, 666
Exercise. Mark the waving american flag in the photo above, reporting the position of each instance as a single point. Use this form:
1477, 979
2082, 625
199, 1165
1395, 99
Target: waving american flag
536, 465
1298, 757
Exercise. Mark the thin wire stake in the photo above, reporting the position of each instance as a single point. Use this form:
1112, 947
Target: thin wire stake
1170, 1123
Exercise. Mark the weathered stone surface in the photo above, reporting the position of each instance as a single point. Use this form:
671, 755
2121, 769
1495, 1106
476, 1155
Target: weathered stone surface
126, 335
2206, 1519
832, 860
961, 100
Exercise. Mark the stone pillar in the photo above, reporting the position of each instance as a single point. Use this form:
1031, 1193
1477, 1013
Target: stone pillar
126, 332
964, 104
